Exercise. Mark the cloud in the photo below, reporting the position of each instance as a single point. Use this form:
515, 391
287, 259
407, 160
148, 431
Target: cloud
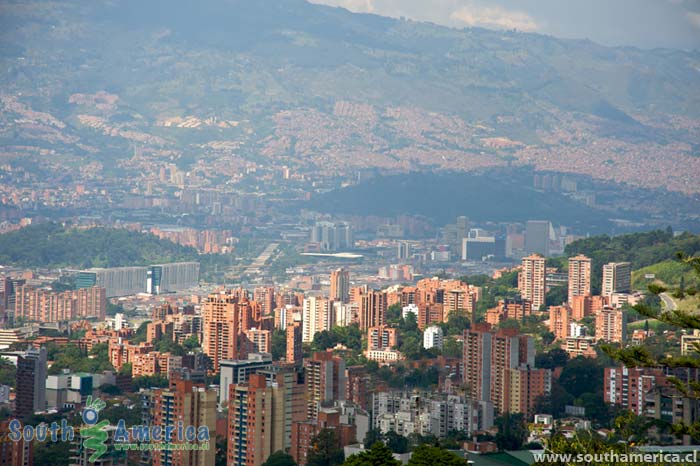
694, 18
494, 17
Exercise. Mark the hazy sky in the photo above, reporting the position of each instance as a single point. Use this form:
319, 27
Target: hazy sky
641, 23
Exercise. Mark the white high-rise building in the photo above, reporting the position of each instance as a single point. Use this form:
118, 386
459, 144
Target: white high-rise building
617, 278
579, 277
532, 280
316, 316
433, 337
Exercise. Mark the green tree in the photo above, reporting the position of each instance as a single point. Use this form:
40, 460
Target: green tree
393, 314
371, 437
278, 345
109, 389
511, 431
426, 455
325, 449
221, 451
8, 373
378, 455
52, 453
452, 348
148, 381
582, 375
396, 443
554, 358
191, 343
280, 458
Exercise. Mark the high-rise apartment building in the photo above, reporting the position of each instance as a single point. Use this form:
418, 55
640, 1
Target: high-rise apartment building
488, 357
532, 280
626, 387
433, 337
373, 306
611, 325
236, 372
340, 285
221, 326
41, 305
617, 278
380, 338
256, 426
294, 354
256, 341
191, 405
31, 383
579, 277
526, 385
265, 296
325, 381
560, 321
316, 316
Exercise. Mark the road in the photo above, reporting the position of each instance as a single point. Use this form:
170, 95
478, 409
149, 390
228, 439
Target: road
261, 259
668, 301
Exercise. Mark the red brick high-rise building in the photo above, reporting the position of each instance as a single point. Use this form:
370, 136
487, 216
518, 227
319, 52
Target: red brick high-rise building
340, 285
294, 343
488, 358
611, 325
373, 306
225, 315
189, 404
626, 387
325, 381
560, 321
256, 422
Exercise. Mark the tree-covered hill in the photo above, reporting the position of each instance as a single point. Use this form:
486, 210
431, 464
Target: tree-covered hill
53, 245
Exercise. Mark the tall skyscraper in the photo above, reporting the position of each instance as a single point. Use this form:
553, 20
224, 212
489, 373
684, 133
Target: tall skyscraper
579, 277
340, 285
317, 316
373, 306
192, 405
532, 280
537, 237
617, 278
31, 383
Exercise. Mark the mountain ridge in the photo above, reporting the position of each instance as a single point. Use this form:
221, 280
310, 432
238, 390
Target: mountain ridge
417, 94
